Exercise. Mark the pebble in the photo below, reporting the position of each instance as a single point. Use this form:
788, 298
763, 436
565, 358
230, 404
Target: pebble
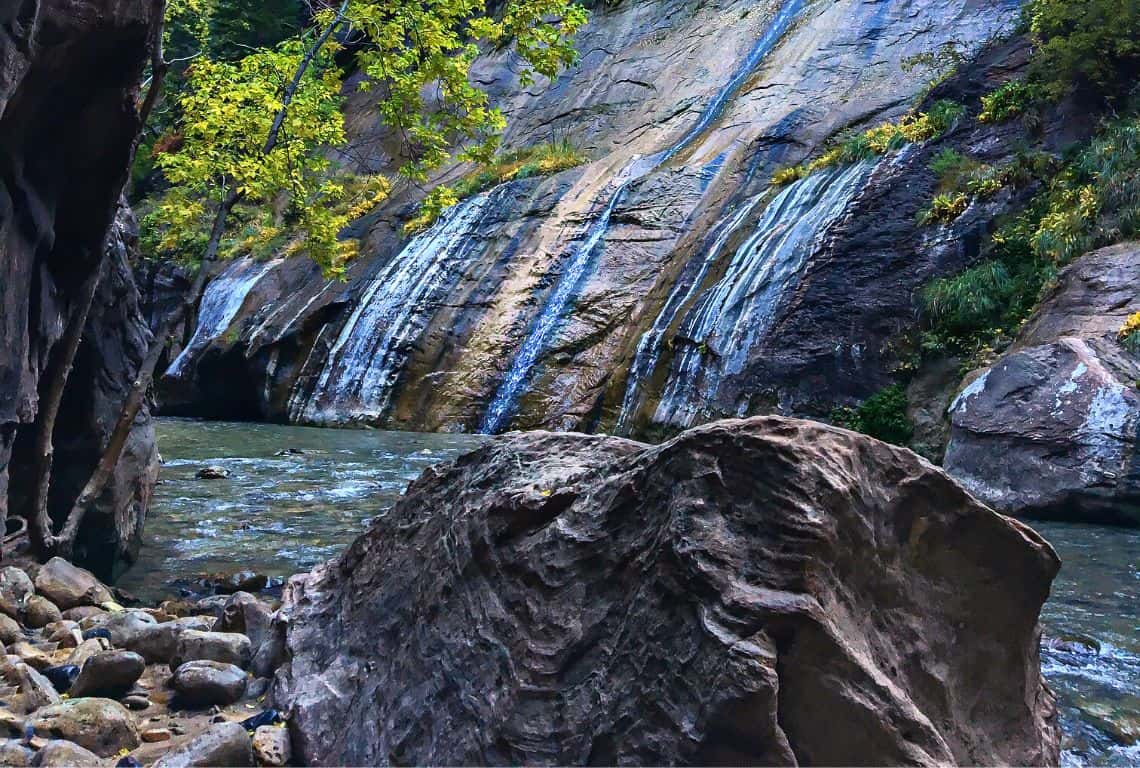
136, 703
152, 735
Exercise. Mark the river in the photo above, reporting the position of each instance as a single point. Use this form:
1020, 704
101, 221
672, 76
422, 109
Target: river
296, 495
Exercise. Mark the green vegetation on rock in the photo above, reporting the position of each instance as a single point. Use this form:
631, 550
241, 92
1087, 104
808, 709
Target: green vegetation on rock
887, 137
538, 160
882, 416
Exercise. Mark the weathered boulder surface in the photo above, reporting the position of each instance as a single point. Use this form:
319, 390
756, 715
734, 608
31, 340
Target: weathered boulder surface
762, 591
225, 744
1050, 429
100, 725
69, 71
70, 587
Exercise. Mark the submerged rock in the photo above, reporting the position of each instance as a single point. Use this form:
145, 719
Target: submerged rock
1050, 429
763, 591
100, 725
212, 473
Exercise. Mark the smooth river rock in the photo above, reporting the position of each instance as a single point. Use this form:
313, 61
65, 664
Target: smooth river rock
111, 673
225, 647
100, 725
58, 753
767, 591
15, 588
204, 683
1050, 429
157, 642
69, 586
221, 745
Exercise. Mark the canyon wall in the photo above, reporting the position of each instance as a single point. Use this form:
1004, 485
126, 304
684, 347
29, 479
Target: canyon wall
69, 71
647, 287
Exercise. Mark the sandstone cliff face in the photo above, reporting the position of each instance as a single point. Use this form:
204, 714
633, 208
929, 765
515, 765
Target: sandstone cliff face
68, 74
622, 294
769, 591
1061, 407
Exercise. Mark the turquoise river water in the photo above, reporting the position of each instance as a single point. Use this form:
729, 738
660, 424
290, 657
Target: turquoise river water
296, 495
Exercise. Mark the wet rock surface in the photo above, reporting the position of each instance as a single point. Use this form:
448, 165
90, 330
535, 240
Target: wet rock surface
1060, 408
712, 599
835, 67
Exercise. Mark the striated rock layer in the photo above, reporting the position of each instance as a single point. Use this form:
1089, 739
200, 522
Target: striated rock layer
583, 300
767, 591
1061, 407
68, 76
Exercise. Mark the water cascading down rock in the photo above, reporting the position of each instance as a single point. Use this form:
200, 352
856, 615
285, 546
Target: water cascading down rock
766, 591
549, 319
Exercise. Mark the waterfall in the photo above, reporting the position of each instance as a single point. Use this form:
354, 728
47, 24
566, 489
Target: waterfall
581, 260
221, 301
648, 352
364, 362
730, 317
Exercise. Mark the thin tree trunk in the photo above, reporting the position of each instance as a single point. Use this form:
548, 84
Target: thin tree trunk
40, 525
65, 541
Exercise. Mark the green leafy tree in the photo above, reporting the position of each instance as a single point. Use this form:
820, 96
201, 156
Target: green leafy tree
254, 132
1093, 44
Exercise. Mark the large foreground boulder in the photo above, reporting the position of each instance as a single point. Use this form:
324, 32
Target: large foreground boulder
764, 591
1050, 429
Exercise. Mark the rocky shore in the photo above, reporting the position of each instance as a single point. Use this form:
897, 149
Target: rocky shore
88, 681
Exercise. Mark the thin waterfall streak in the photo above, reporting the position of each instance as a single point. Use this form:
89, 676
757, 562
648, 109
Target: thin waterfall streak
648, 352
733, 315
221, 301
546, 325
365, 360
